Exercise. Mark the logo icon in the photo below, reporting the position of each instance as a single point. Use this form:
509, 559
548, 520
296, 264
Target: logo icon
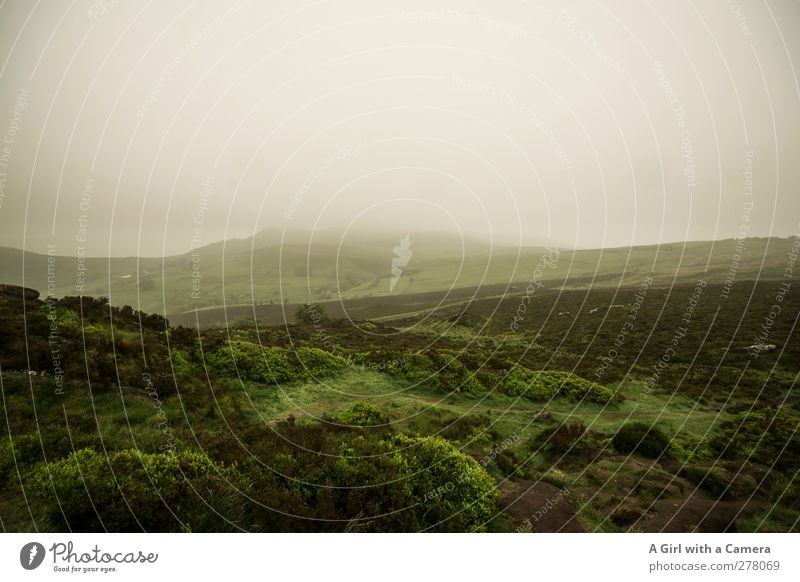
31, 555
402, 254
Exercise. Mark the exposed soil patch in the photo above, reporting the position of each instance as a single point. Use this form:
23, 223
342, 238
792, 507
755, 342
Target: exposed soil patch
537, 506
701, 508
656, 499
697, 512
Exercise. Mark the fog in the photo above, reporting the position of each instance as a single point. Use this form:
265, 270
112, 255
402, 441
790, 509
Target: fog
144, 129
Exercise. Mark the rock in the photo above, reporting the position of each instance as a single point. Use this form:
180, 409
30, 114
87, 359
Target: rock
17, 292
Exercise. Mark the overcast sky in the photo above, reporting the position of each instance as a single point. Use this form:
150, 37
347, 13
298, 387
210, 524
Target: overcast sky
138, 126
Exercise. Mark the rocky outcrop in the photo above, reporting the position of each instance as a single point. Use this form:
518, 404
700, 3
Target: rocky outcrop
17, 292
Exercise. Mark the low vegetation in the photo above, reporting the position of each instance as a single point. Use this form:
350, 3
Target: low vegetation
116, 420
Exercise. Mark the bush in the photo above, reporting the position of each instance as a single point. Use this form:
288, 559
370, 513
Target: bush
271, 364
564, 439
720, 482
317, 363
363, 414
399, 483
442, 370
518, 382
453, 491
52, 442
549, 384
768, 436
642, 439
451, 374
150, 492
274, 366
182, 364
693, 449
787, 492
417, 367
310, 313
234, 358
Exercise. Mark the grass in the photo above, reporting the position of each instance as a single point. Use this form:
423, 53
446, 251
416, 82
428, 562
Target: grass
774, 519
420, 408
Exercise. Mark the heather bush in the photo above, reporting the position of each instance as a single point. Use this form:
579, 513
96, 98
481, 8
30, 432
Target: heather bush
128, 491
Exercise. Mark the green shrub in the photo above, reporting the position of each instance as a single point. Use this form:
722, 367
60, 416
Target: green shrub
274, 366
418, 367
363, 414
642, 439
441, 369
693, 449
454, 492
402, 483
768, 436
150, 492
720, 482
518, 382
271, 364
310, 314
451, 374
234, 358
549, 384
65, 320
712, 479
317, 363
51, 442
787, 492
182, 363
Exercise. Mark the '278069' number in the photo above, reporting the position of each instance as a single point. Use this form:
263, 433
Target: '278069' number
758, 565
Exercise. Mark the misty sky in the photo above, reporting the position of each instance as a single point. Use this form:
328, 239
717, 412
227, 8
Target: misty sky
140, 126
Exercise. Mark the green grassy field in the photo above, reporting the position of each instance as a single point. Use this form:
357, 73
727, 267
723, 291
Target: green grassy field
420, 408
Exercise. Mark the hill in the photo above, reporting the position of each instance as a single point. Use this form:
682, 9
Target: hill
274, 268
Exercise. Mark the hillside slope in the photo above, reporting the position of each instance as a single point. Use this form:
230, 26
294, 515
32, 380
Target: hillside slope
262, 271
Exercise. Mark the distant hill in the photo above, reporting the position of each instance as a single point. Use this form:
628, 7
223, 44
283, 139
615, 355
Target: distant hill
329, 266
